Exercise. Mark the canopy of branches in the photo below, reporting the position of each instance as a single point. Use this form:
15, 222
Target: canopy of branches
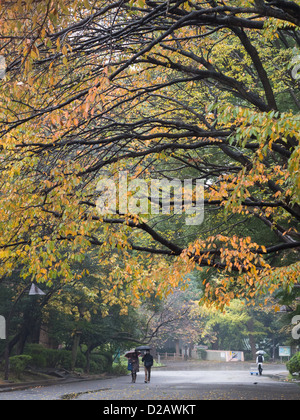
180, 89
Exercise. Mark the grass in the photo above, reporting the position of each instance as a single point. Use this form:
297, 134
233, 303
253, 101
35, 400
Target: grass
27, 376
294, 377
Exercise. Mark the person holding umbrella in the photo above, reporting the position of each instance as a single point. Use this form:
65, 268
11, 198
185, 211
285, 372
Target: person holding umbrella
260, 360
148, 361
133, 363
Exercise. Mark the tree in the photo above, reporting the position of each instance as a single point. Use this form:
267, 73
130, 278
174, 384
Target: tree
81, 315
242, 328
174, 318
95, 88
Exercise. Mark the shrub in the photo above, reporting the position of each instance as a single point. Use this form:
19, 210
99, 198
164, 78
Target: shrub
80, 360
38, 354
18, 364
98, 363
51, 358
119, 369
293, 365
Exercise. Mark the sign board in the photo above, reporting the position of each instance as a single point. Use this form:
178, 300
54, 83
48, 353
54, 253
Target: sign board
284, 351
2, 328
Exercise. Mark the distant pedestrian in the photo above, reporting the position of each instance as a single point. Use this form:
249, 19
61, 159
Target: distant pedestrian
259, 361
148, 363
134, 364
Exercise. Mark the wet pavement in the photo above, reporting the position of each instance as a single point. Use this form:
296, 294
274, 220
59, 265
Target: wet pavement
176, 381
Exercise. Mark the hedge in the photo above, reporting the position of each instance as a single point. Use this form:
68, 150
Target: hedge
293, 365
18, 364
50, 358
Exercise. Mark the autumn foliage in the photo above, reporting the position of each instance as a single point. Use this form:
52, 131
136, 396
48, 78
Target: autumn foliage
177, 89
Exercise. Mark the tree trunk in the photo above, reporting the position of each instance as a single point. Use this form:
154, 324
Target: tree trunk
252, 341
75, 348
88, 359
177, 348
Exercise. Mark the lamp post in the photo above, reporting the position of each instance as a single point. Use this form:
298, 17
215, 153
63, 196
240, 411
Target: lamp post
34, 290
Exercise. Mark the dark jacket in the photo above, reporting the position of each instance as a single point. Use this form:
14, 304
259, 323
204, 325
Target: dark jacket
148, 360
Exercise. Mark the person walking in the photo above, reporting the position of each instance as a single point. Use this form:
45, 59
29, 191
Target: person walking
148, 363
259, 361
134, 365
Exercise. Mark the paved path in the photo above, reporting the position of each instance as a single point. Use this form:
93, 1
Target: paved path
183, 381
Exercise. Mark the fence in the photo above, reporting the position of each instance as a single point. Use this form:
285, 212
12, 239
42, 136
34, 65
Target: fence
170, 356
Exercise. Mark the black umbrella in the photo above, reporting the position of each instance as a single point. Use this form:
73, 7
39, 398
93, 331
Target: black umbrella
143, 348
